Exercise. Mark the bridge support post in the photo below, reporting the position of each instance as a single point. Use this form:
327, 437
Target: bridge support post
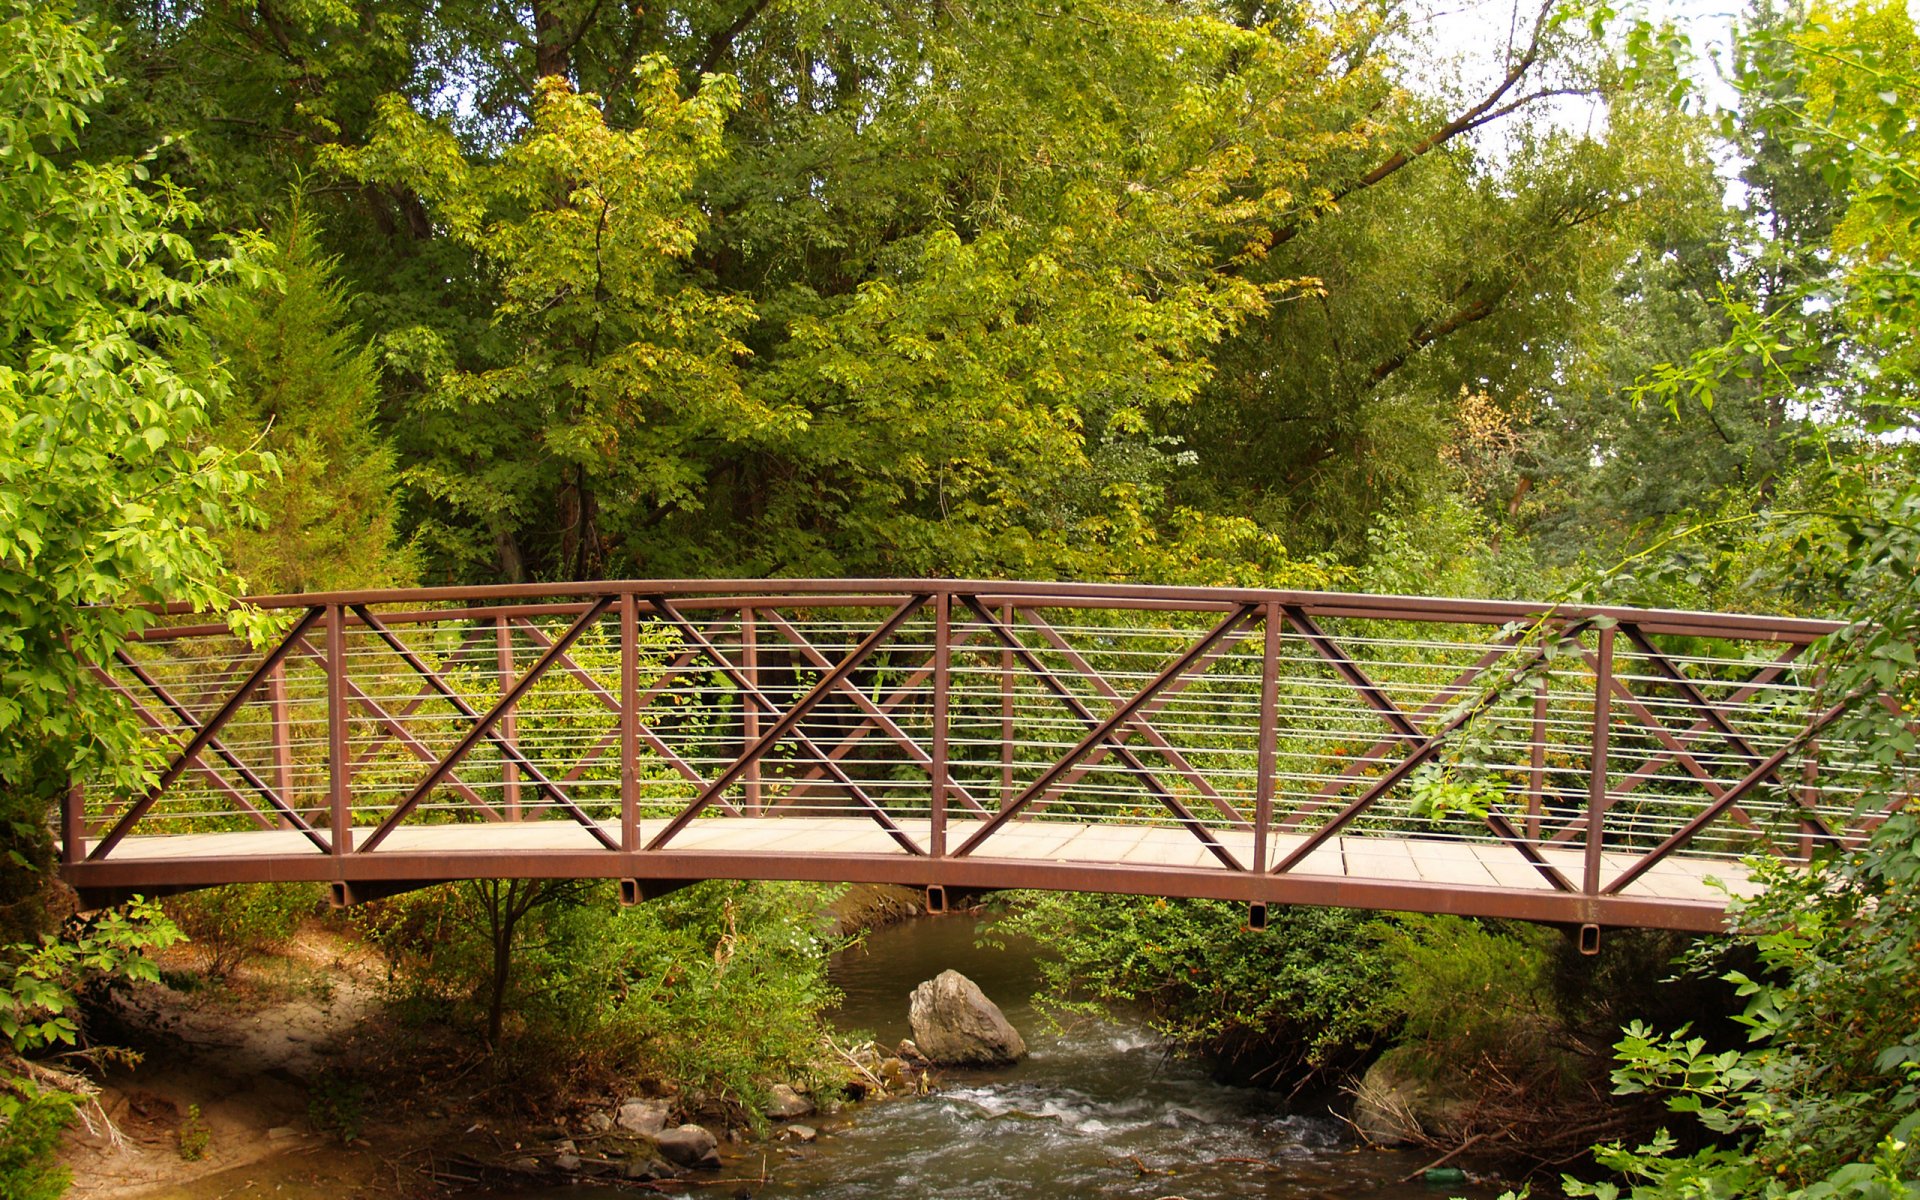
629, 724
749, 708
339, 809
1006, 711
1269, 743
1597, 799
509, 726
942, 684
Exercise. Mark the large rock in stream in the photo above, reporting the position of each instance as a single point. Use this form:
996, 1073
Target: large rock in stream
955, 1025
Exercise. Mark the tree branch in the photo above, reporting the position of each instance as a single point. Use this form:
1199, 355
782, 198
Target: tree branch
720, 43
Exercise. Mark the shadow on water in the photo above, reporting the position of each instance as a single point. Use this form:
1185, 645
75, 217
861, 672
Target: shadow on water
1097, 1111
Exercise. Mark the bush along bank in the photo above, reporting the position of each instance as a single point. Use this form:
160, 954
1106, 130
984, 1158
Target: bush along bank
515, 1030
1490, 1038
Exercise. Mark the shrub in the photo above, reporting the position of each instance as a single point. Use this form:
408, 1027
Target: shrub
31, 1120
236, 922
1293, 999
721, 986
1463, 992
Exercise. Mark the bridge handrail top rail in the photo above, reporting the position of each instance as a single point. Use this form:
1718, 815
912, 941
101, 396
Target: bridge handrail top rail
1750, 626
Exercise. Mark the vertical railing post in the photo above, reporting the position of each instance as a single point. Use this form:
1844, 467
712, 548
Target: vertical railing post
339, 801
1269, 737
749, 708
73, 824
509, 724
1597, 781
282, 738
1810, 797
629, 723
942, 684
1537, 760
1006, 710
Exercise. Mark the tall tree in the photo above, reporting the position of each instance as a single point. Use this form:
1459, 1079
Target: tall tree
304, 387
112, 489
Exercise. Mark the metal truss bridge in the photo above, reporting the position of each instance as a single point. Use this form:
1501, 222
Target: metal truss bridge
1580, 766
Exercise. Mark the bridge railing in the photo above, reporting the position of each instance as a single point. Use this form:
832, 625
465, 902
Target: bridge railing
1568, 749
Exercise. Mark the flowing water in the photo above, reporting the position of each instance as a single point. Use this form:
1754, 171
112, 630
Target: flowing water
1099, 1111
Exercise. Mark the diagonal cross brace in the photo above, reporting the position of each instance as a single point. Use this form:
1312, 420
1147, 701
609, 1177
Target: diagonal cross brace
894, 699
1103, 732
1373, 753
1140, 724
199, 765
205, 735
788, 722
1419, 755
876, 715
267, 792
1351, 671
413, 704
1714, 717
753, 693
1731, 797
483, 727
1405, 726
397, 732
612, 703
1115, 742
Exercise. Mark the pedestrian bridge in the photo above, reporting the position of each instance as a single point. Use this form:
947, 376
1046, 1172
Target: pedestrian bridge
1576, 765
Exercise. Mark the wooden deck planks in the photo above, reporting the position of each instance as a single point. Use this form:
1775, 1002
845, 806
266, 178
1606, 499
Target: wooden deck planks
1370, 857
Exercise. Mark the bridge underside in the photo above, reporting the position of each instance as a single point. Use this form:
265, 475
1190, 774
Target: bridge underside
1372, 872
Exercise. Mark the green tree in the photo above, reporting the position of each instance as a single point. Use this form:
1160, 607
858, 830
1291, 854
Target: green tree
111, 487
1826, 1100
305, 388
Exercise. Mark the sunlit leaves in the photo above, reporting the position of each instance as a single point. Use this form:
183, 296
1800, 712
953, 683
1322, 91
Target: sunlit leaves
109, 488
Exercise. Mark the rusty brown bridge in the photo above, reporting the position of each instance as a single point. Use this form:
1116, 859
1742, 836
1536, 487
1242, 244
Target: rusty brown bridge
1584, 766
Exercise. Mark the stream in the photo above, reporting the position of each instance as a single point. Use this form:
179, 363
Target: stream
1097, 1111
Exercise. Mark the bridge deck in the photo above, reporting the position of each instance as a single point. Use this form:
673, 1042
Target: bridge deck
519, 848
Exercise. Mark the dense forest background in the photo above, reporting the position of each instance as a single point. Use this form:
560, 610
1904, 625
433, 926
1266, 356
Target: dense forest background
573, 289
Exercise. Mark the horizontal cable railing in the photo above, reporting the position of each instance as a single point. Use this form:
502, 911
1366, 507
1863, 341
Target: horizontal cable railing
1596, 749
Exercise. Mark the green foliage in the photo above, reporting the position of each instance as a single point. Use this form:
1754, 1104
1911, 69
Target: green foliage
193, 1136
1825, 1101
234, 923
1295, 998
39, 1010
337, 1106
110, 487
721, 985
1461, 992
31, 1121
305, 388
39, 984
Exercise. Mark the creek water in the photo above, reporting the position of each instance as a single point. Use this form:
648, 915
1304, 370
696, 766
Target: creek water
1098, 1110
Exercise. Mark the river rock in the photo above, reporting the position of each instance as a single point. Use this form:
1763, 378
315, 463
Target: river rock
646, 1168
786, 1103
566, 1162
643, 1116
954, 1024
598, 1122
800, 1133
1394, 1105
689, 1146
909, 1053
